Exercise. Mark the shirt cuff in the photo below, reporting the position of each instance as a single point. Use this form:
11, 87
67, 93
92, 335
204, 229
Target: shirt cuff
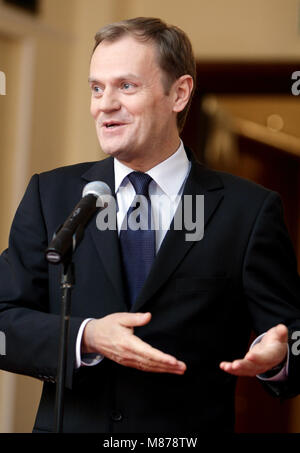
85, 359
282, 374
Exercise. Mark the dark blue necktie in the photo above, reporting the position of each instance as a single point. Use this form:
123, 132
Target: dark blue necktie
138, 239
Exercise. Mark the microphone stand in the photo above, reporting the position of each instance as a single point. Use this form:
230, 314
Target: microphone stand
67, 282
58, 255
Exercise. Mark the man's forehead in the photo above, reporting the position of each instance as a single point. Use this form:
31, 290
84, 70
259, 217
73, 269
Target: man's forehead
124, 48
130, 75
126, 56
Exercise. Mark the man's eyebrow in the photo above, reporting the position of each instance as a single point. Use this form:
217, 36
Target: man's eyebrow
92, 80
117, 79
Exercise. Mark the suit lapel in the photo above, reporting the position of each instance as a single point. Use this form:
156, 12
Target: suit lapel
175, 246
107, 242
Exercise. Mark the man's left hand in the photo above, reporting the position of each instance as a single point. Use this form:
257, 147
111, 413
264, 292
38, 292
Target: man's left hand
265, 355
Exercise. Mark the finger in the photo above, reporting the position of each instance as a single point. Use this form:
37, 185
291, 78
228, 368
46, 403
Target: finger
147, 363
144, 351
141, 355
241, 368
134, 319
152, 368
143, 363
282, 333
178, 367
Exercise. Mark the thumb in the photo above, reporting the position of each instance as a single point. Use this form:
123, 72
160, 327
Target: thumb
135, 319
282, 333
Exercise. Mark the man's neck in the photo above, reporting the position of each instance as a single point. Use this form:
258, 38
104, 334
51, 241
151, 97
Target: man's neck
145, 163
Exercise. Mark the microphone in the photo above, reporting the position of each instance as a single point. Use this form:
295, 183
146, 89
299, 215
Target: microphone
69, 234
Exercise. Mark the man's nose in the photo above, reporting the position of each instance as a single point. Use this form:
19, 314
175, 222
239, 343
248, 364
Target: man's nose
109, 101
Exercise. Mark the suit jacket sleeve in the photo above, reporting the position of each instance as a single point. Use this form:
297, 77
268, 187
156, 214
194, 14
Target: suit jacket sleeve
31, 329
272, 284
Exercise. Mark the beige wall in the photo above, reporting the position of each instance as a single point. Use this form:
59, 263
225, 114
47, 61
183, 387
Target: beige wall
232, 28
9, 58
52, 124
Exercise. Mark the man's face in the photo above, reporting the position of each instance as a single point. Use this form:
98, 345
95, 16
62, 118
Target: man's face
134, 117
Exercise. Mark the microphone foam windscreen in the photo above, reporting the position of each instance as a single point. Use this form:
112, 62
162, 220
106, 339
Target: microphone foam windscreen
96, 188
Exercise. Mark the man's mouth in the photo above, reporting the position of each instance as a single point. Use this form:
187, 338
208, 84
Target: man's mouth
112, 124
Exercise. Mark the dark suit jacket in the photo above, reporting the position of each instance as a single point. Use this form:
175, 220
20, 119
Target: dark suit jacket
204, 296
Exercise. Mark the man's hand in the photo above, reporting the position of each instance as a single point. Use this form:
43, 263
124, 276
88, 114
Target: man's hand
113, 337
264, 356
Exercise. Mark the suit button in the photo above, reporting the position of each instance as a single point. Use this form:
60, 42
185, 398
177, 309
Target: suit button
116, 416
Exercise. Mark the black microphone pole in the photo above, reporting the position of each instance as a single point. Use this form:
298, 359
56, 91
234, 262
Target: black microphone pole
67, 282
61, 250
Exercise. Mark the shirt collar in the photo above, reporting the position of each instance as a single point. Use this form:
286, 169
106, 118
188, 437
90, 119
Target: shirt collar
169, 175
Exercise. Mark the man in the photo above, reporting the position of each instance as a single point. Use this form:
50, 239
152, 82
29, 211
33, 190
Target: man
157, 332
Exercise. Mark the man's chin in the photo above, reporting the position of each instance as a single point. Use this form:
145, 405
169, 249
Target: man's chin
113, 152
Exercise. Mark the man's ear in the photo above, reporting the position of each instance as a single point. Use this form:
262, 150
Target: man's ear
183, 88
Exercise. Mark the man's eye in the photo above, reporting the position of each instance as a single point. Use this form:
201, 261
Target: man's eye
96, 90
127, 85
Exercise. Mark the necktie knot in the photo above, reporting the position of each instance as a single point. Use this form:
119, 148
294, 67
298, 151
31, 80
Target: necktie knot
140, 182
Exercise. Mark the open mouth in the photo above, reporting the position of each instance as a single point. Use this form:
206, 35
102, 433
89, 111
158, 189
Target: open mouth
112, 125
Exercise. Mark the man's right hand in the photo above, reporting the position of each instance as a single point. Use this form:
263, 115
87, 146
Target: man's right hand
113, 337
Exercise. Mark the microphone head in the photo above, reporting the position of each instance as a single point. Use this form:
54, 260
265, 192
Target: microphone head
96, 188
